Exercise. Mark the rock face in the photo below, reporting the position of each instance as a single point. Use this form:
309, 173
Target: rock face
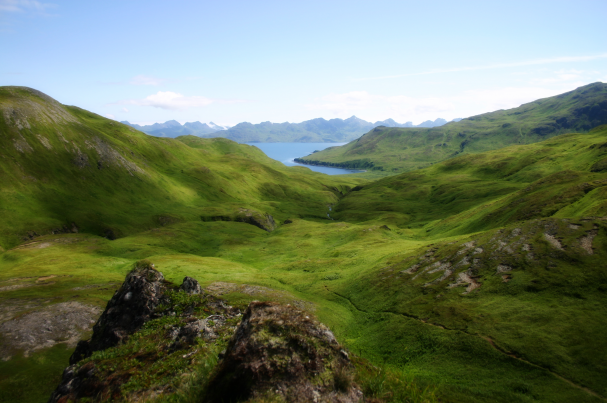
130, 307
190, 286
249, 216
189, 319
280, 350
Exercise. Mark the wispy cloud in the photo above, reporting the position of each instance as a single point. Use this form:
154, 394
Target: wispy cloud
146, 80
562, 76
175, 101
21, 6
381, 107
566, 59
404, 108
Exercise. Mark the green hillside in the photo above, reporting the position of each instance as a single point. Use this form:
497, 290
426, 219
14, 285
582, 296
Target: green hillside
561, 177
406, 149
477, 279
62, 167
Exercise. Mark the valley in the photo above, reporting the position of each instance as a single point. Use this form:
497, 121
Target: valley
467, 265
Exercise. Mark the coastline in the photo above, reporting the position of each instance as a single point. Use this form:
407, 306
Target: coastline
357, 165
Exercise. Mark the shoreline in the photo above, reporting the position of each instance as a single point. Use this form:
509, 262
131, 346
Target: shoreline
358, 171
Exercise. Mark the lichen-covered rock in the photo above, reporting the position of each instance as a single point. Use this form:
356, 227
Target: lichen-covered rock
168, 330
130, 307
190, 286
281, 350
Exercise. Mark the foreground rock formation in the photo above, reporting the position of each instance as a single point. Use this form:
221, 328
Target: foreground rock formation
156, 339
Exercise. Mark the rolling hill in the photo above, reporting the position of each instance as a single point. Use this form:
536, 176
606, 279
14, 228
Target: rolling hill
63, 167
407, 149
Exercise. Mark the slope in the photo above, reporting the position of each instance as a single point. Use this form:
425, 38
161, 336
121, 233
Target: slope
561, 177
406, 149
64, 169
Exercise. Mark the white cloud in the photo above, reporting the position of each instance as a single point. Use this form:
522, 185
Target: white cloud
562, 76
481, 101
380, 107
174, 101
110, 116
566, 59
125, 110
404, 108
20, 6
146, 80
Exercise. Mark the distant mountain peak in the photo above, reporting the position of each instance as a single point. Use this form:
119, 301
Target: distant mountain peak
318, 129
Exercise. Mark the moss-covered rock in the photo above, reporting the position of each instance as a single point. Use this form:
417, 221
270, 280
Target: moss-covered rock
281, 351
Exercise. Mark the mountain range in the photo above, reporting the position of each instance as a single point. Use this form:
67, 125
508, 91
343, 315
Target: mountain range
311, 131
172, 128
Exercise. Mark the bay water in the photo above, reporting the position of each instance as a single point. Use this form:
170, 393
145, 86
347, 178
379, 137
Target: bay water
287, 152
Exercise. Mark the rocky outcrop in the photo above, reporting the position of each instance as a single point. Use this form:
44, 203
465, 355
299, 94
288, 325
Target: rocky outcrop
190, 286
154, 335
188, 317
130, 307
281, 350
249, 216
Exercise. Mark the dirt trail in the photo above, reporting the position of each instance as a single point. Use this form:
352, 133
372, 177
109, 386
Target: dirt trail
486, 338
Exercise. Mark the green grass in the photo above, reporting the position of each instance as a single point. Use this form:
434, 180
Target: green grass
32, 379
478, 192
533, 338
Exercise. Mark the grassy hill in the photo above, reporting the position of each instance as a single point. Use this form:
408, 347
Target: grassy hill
478, 279
62, 167
406, 149
562, 177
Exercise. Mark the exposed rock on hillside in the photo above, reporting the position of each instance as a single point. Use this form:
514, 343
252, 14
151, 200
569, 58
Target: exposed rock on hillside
512, 251
151, 334
249, 216
130, 307
279, 350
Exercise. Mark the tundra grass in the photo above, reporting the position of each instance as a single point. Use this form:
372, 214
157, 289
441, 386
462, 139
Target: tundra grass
337, 268
529, 333
32, 379
562, 176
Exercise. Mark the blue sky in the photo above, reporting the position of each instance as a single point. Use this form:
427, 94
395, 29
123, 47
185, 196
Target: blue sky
233, 61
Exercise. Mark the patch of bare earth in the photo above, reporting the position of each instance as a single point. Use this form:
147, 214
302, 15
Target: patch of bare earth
555, 243
466, 279
586, 242
45, 327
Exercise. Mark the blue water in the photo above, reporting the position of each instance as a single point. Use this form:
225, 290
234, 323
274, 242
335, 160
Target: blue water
287, 152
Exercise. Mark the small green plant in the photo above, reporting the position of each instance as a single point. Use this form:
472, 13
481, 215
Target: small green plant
342, 378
